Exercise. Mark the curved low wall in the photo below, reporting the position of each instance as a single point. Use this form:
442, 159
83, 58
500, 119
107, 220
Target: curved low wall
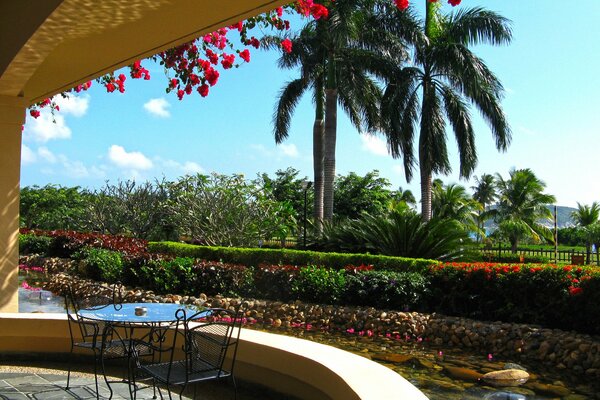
285, 364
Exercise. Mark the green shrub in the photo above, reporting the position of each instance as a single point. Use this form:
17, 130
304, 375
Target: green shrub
255, 257
275, 282
401, 233
33, 244
319, 285
385, 289
100, 264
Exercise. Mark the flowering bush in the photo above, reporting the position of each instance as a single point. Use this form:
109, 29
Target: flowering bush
65, 243
192, 67
529, 293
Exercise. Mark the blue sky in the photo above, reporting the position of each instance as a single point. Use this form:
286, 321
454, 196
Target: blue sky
549, 72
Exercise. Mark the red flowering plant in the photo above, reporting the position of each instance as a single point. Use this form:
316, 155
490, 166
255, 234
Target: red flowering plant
192, 67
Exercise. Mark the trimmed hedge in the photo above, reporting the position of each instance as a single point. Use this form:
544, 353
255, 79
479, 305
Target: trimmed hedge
255, 257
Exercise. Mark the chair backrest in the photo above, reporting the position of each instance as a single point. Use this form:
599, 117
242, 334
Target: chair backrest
210, 337
95, 297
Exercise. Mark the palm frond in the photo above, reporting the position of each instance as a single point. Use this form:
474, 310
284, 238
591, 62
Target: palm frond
459, 117
289, 96
473, 26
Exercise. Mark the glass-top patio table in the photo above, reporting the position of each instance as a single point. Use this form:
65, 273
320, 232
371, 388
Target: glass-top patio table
137, 313
153, 318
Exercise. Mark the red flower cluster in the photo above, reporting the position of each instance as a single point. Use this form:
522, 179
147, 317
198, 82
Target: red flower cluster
286, 45
192, 62
309, 7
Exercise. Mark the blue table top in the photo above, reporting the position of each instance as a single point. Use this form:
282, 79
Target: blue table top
126, 313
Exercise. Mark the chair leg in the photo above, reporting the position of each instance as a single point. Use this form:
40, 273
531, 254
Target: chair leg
69, 369
105, 377
234, 387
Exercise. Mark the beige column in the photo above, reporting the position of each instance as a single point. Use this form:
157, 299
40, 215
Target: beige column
12, 117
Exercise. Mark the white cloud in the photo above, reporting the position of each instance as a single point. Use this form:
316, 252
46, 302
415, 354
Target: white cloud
289, 150
158, 107
49, 127
74, 105
46, 155
190, 167
133, 160
27, 155
374, 145
45, 128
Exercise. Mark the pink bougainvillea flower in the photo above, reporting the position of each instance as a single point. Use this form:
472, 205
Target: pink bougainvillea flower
286, 45
203, 90
34, 113
454, 3
110, 87
401, 4
245, 55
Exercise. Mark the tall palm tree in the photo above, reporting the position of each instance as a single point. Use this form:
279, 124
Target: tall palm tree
522, 207
484, 192
446, 76
339, 58
584, 217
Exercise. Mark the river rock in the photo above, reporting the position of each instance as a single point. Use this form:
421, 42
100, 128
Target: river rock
550, 390
506, 377
395, 358
514, 366
464, 374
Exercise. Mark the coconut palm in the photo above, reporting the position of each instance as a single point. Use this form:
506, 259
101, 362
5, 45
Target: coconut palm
453, 202
522, 207
584, 217
445, 78
484, 192
338, 57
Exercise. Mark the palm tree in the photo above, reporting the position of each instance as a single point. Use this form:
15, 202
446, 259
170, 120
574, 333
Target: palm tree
339, 57
484, 192
445, 78
453, 202
521, 207
405, 196
584, 217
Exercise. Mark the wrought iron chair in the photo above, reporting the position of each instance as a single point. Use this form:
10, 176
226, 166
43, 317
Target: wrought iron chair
95, 336
208, 337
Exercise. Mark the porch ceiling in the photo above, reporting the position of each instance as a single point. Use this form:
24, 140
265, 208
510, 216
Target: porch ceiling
49, 46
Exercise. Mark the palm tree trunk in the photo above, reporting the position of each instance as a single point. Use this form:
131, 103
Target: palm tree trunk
329, 151
318, 144
426, 182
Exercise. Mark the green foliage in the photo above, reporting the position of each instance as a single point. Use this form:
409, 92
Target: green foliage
255, 257
354, 195
226, 210
34, 244
286, 187
571, 236
319, 285
385, 289
522, 207
100, 264
401, 233
129, 208
52, 207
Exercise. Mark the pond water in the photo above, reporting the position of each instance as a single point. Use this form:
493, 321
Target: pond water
441, 373
448, 373
34, 299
